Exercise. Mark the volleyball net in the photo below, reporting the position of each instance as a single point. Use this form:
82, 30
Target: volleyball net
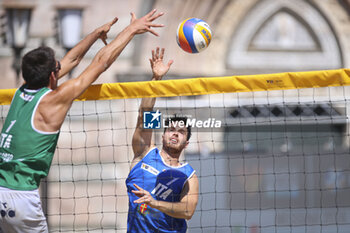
271, 152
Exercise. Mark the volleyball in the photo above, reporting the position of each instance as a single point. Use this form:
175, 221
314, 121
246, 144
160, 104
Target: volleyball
193, 35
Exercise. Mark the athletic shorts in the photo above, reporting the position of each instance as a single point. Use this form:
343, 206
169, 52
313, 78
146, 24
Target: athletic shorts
20, 211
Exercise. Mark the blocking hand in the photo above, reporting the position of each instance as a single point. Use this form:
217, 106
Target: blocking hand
159, 69
145, 23
104, 29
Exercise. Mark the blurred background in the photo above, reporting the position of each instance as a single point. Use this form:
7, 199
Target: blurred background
252, 179
249, 36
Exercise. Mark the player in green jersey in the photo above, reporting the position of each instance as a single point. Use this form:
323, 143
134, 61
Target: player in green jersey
30, 133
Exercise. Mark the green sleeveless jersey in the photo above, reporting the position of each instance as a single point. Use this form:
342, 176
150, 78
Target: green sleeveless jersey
25, 152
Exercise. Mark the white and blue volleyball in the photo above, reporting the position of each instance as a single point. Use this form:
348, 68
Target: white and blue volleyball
193, 35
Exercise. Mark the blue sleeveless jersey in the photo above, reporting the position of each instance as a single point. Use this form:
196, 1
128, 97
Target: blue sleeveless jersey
165, 183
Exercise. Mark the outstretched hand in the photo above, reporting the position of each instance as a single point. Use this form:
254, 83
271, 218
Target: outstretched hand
144, 196
145, 23
104, 29
159, 69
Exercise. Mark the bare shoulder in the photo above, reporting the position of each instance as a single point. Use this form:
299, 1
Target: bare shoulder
135, 161
138, 158
193, 180
194, 177
50, 113
190, 190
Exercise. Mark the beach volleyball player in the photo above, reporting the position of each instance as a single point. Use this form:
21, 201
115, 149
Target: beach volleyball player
38, 109
163, 192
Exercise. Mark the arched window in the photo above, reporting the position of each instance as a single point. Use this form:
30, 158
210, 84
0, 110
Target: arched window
281, 35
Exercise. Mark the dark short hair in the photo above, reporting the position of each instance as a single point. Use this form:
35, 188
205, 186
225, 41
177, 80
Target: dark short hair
37, 66
177, 119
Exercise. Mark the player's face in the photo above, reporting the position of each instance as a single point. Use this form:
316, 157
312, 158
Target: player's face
175, 138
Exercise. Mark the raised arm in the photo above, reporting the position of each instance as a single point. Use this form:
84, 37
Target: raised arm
185, 208
142, 138
76, 54
53, 108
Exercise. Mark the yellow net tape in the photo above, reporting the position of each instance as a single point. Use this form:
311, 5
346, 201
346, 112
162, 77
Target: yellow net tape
210, 85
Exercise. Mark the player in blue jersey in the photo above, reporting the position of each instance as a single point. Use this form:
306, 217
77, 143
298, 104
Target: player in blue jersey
163, 192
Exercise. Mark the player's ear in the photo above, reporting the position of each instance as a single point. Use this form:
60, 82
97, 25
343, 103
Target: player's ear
187, 142
53, 81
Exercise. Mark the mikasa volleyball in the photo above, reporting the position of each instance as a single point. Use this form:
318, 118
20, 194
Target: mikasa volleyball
193, 35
